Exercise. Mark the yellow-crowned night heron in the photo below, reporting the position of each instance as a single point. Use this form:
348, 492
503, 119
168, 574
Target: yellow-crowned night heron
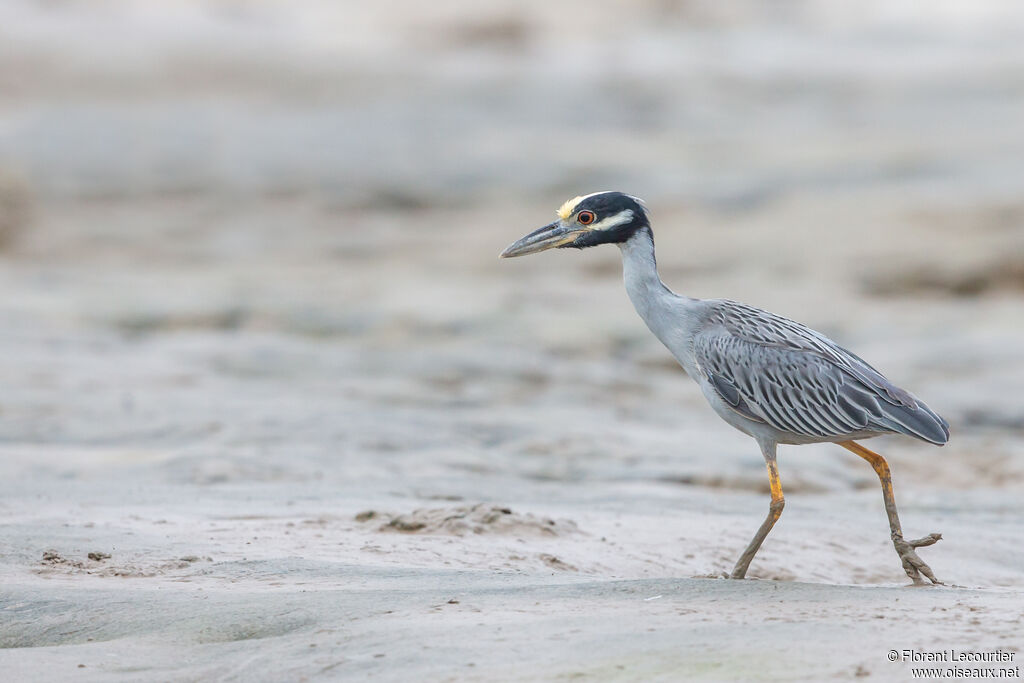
772, 378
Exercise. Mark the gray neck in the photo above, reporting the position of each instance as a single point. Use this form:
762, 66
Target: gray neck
640, 273
670, 317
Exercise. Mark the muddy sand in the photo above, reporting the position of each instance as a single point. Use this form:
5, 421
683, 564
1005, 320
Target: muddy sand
273, 410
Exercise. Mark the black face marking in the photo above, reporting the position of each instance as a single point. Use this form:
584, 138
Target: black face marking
604, 206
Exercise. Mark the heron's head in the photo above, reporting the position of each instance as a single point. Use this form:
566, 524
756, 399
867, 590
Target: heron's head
598, 218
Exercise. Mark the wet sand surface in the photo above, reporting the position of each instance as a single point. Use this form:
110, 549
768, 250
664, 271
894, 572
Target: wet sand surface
273, 409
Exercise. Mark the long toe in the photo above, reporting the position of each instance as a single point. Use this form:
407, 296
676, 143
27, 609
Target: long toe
913, 565
930, 539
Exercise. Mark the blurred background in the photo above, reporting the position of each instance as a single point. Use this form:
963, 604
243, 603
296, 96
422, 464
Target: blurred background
251, 307
253, 246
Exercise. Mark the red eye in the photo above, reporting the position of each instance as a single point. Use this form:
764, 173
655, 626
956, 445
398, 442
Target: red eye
585, 217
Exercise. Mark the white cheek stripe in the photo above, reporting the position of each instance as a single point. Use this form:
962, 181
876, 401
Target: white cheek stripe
621, 218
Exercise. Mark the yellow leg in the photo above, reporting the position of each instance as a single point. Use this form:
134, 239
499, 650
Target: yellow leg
913, 565
774, 512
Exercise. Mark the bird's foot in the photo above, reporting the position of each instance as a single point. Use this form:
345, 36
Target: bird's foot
913, 565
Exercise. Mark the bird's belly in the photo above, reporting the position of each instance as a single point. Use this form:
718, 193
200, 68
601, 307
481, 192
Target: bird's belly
744, 424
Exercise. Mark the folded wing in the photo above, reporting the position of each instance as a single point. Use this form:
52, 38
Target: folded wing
784, 374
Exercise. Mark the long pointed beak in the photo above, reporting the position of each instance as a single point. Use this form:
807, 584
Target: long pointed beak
552, 235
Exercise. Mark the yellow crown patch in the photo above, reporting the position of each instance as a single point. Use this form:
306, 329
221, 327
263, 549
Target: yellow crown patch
565, 210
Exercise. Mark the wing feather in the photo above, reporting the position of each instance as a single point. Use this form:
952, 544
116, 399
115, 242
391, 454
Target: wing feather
782, 373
